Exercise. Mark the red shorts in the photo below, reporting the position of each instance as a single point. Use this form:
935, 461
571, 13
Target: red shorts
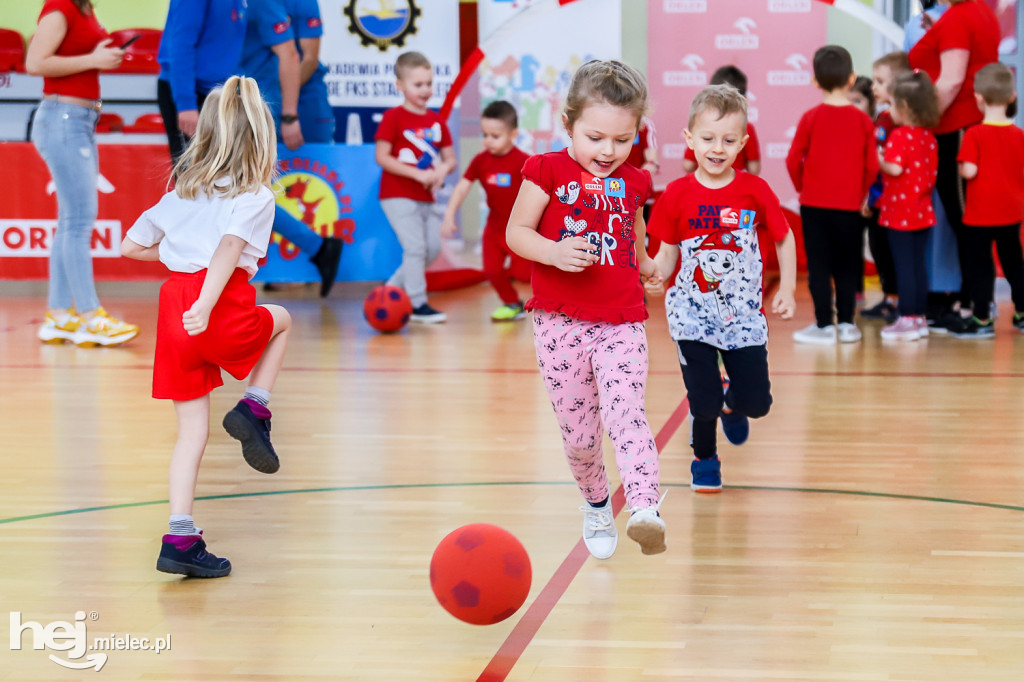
188, 367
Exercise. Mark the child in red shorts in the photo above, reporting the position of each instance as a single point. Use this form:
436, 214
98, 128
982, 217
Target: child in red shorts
499, 168
210, 232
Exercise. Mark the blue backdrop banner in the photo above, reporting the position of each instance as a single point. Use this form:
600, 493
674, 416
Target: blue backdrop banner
332, 189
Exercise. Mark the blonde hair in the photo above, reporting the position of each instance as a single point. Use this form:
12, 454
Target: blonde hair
610, 82
898, 62
234, 140
725, 99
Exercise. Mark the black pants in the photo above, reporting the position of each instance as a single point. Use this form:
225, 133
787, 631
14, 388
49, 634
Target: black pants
878, 242
952, 192
983, 270
169, 112
908, 254
749, 388
834, 243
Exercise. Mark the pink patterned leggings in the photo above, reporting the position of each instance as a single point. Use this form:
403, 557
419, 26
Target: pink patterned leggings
596, 373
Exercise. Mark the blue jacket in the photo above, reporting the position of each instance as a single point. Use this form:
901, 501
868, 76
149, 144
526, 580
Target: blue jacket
201, 46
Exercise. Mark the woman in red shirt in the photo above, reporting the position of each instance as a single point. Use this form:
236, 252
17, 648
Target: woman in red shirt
68, 50
964, 39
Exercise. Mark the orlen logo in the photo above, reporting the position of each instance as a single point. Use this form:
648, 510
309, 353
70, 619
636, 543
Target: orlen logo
693, 75
744, 40
784, 6
794, 76
685, 6
780, 150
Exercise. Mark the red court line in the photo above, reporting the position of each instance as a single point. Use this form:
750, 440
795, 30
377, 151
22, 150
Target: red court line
522, 634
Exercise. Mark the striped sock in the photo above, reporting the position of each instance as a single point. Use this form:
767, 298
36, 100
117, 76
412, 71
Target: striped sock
257, 395
182, 524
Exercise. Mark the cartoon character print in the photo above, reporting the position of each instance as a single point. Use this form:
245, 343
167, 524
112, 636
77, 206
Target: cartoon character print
427, 141
568, 194
716, 258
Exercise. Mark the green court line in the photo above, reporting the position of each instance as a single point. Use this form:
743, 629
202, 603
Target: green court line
480, 484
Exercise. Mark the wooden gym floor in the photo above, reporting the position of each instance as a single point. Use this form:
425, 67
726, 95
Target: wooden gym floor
871, 529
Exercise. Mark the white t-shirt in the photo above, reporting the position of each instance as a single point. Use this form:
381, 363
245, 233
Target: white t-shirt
189, 230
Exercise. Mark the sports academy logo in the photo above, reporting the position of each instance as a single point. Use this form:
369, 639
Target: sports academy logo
314, 193
744, 40
382, 23
692, 76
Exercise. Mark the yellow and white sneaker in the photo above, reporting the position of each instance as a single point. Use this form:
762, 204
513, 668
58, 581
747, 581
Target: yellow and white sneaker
103, 330
60, 327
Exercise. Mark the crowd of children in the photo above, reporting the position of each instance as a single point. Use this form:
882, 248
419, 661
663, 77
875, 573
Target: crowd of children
573, 221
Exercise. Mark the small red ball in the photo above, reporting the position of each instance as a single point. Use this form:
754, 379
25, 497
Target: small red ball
387, 309
480, 574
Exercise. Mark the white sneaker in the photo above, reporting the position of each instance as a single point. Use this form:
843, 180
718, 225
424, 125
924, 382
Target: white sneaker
60, 327
599, 534
103, 330
848, 333
647, 529
822, 336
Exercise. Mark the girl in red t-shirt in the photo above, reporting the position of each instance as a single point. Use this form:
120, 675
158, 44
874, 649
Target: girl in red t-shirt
579, 217
909, 165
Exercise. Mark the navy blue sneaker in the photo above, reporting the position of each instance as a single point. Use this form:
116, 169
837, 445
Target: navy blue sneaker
736, 427
707, 475
187, 555
249, 423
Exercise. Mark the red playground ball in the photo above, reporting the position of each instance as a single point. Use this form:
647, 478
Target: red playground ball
387, 309
480, 574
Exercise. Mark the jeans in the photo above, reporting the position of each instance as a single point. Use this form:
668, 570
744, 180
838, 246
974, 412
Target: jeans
65, 136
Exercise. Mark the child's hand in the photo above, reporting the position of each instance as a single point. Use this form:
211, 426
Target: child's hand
437, 181
424, 176
654, 288
572, 254
865, 209
448, 227
649, 272
784, 304
195, 319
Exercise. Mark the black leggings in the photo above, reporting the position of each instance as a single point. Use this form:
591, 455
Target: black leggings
878, 242
749, 388
169, 112
983, 270
908, 254
834, 243
952, 192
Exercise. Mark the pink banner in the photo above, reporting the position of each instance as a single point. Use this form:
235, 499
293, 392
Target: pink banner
771, 41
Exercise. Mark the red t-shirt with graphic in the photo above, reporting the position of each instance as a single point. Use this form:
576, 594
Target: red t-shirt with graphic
83, 34
906, 202
500, 177
751, 151
603, 211
417, 140
717, 295
995, 196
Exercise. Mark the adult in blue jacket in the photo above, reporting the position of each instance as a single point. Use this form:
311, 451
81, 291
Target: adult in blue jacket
203, 44
316, 116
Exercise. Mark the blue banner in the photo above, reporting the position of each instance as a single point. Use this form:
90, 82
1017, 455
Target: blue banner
332, 189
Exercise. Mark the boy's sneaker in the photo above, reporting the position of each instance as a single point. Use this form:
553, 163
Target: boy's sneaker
187, 555
707, 475
946, 322
735, 426
249, 423
103, 330
822, 336
60, 328
883, 310
509, 312
326, 260
1018, 322
973, 328
922, 326
599, 534
427, 315
848, 333
647, 528
904, 329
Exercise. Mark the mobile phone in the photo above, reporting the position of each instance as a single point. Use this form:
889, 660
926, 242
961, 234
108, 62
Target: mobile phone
131, 40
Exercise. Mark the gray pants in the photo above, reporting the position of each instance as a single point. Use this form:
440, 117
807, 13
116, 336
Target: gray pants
418, 228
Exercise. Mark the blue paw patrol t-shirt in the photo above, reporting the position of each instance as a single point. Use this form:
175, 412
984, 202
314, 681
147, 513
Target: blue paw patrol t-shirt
717, 296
